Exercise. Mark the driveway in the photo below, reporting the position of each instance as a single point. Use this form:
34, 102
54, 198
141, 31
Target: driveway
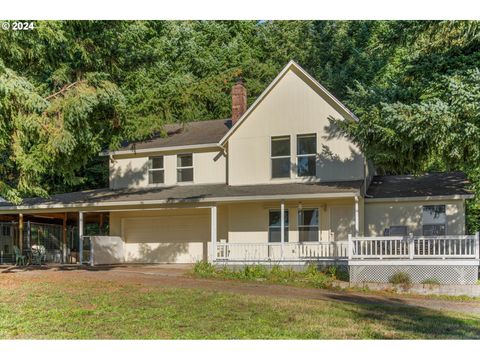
175, 276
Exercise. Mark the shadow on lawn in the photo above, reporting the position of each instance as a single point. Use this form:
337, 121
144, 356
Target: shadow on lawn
406, 319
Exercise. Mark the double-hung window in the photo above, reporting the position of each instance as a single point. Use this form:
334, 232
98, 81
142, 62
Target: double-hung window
184, 167
275, 226
308, 225
156, 172
280, 154
306, 155
434, 220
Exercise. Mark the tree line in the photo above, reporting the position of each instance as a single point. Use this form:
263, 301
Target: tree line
69, 89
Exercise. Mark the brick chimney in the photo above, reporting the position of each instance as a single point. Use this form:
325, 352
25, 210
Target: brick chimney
239, 101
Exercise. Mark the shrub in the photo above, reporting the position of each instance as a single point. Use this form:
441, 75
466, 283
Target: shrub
400, 278
255, 272
281, 275
204, 269
431, 281
319, 280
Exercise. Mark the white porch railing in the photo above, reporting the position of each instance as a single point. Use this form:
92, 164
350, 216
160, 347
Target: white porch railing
381, 247
415, 247
275, 252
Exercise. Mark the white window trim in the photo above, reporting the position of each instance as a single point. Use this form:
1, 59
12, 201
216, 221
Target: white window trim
185, 167
280, 157
446, 219
309, 226
152, 169
314, 155
287, 227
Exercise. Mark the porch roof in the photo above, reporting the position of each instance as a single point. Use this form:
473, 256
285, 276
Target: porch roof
189, 194
428, 185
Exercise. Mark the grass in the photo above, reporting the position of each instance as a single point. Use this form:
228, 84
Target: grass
78, 308
310, 277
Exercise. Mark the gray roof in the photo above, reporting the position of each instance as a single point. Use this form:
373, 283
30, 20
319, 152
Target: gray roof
191, 133
433, 184
193, 193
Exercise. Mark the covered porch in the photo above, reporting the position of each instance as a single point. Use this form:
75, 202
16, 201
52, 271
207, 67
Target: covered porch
50, 237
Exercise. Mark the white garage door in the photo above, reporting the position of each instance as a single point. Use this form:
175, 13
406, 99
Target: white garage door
166, 239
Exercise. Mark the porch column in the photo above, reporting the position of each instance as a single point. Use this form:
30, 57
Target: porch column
213, 231
64, 237
282, 228
357, 226
80, 237
20, 232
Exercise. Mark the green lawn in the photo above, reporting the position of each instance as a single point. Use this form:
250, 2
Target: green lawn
80, 308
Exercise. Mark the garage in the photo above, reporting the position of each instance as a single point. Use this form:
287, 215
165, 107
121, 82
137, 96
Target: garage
180, 236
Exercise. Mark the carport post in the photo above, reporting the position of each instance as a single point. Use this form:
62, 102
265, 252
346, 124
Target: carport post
213, 232
80, 237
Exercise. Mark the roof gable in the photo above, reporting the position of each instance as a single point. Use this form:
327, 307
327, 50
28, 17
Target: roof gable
309, 80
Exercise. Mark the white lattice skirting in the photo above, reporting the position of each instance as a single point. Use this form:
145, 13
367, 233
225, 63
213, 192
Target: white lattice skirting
445, 273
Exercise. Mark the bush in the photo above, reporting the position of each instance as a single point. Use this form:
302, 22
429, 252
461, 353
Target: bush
204, 269
255, 272
319, 280
400, 278
431, 281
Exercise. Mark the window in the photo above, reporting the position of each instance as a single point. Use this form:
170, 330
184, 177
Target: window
395, 231
434, 220
308, 225
280, 157
184, 167
275, 225
306, 155
156, 174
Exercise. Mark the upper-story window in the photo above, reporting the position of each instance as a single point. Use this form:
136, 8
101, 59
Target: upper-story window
280, 155
306, 155
184, 167
434, 220
156, 172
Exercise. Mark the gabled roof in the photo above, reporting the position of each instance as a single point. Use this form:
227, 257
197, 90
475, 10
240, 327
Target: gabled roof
292, 65
211, 133
428, 185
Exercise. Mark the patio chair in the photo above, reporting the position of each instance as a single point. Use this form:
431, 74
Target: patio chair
19, 258
38, 254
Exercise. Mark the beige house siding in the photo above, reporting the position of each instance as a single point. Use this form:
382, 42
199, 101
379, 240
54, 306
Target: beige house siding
131, 171
291, 108
379, 216
248, 222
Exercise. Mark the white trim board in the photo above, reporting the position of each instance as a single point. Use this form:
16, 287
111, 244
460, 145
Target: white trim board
419, 198
160, 149
108, 204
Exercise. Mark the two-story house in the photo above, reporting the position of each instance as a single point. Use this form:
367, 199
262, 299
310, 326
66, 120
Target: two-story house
275, 182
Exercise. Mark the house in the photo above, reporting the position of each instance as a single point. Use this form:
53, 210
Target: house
274, 183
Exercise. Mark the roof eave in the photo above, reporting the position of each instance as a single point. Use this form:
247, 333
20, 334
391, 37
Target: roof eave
159, 149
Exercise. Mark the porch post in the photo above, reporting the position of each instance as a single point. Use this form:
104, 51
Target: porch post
80, 237
20, 232
357, 226
282, 228
29, 234
213, 231
477, 245
64, 237
350, 247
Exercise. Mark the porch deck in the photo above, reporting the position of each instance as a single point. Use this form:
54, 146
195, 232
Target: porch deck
356, 248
